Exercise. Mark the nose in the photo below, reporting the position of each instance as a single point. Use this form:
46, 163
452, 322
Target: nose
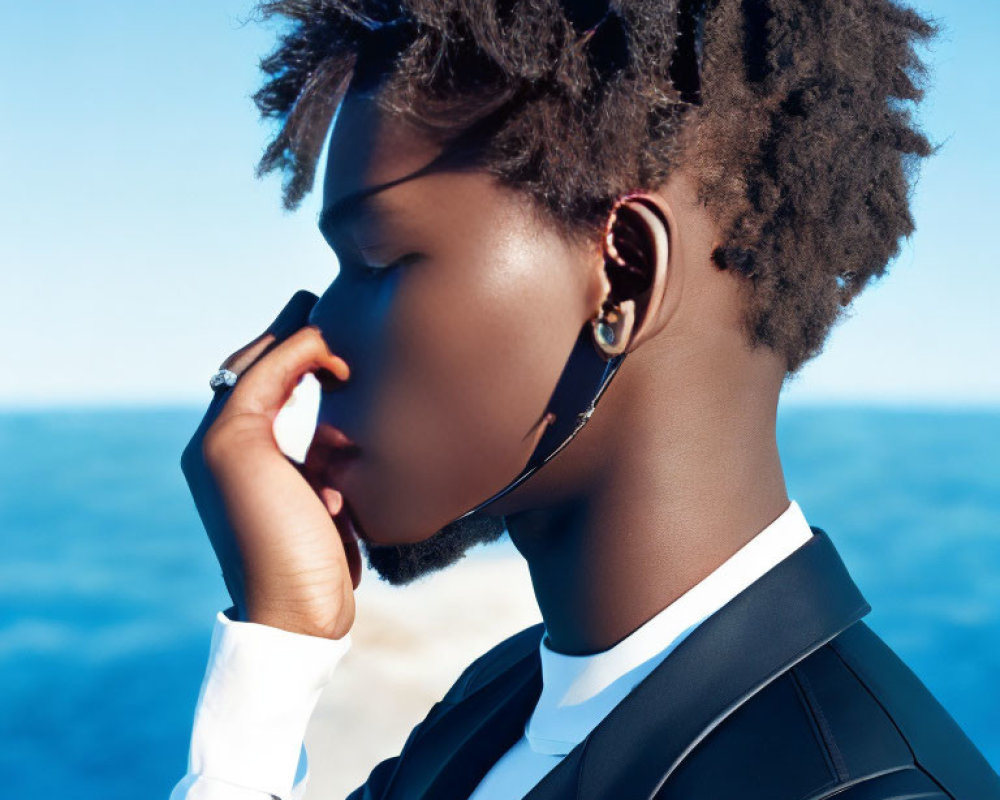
336, 314
344, 317
353, 315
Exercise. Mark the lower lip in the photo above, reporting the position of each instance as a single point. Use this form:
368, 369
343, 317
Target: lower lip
336, 460
334, 469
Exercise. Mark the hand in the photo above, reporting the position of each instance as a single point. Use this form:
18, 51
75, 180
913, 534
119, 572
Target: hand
285, 559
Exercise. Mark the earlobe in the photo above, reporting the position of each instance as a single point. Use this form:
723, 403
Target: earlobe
636, 251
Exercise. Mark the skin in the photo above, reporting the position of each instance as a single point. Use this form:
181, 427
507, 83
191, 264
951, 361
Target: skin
440, 370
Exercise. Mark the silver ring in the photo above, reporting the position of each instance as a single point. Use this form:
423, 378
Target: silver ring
223, 379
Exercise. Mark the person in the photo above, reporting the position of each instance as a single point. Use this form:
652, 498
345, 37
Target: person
519, 196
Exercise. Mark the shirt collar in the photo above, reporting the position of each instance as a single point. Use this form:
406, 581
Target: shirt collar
579, 691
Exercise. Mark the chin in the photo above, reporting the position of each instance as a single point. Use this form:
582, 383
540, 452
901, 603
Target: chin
400, 564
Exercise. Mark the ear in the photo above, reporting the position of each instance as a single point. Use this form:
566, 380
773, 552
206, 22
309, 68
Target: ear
634, 275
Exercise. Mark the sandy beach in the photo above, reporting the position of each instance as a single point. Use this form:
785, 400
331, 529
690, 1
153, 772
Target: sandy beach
409, 644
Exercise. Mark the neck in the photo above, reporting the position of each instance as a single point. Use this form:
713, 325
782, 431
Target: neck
691, 478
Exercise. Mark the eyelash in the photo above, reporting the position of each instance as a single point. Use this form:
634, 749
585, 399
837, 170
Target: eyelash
373, 273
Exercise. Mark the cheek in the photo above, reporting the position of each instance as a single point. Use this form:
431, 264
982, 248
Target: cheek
472, 353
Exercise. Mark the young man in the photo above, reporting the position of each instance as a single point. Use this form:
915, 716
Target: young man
520, 195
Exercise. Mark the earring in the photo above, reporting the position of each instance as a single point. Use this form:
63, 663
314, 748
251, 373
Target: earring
613, 327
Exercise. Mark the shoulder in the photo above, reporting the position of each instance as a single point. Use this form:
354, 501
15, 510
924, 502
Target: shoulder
937, 744
850, 721
494, 661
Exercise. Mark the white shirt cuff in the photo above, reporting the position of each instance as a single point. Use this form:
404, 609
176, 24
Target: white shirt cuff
260, 689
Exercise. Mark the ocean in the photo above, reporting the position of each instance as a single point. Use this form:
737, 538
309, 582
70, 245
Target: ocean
108, 586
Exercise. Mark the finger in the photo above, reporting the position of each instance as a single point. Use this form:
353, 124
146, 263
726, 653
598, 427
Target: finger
240, 361
334, 502
293, 316
192, 453
348, 536
266, 385
332, 499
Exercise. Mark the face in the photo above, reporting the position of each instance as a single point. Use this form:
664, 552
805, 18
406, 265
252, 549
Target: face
456, 307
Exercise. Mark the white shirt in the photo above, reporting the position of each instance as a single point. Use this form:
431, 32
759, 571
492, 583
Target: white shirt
262, 684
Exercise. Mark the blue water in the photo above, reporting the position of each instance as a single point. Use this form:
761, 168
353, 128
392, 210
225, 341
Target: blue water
108, 586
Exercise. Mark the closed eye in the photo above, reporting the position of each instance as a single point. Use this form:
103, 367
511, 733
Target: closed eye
373, 272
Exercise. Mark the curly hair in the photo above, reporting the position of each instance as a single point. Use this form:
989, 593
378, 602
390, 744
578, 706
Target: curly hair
787, 113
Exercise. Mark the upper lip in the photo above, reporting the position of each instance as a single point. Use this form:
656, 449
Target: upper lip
330, 450
329, 437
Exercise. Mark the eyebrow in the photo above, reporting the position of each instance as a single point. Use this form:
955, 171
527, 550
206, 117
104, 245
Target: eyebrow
353, 206
360, 203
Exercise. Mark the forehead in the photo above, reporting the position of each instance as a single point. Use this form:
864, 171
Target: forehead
396, 167
368, 150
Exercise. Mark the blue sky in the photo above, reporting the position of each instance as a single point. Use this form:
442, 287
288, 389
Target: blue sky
138, 250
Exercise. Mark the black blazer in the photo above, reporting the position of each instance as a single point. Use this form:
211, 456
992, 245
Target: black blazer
782, 694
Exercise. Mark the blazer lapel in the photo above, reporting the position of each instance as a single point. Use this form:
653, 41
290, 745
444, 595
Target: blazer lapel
790, 611
449, 759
